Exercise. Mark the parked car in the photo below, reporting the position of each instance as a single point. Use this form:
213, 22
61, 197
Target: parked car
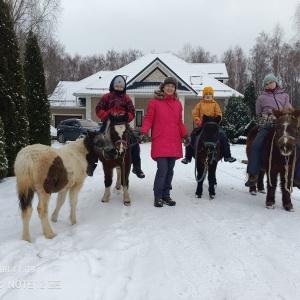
71, 129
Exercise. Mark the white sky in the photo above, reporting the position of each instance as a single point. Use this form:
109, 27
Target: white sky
95, 26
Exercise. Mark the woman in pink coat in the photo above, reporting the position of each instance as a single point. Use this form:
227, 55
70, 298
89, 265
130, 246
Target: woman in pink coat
164, 118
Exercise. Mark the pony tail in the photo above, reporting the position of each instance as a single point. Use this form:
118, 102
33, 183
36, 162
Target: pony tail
25, 193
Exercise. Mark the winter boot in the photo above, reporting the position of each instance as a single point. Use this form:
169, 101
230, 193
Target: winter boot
158, 202
168, 200
138, 171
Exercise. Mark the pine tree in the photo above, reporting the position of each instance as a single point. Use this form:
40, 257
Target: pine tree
236, 118
8, 107
38, 107
3, 159
250, 98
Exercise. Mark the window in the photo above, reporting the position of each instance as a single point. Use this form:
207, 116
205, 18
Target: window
139, 113
82, 102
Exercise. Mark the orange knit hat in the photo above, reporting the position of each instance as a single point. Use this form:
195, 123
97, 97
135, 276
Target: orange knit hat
208, 90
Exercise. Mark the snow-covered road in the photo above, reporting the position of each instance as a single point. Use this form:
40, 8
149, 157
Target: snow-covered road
227, 248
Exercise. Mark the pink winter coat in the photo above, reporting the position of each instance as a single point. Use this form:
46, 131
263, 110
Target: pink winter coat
164, 118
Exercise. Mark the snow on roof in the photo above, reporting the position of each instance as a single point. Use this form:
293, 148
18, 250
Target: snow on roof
63, 95
194, 75
216, 70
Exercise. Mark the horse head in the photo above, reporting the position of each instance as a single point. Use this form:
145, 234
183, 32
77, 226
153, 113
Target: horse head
94, 142
287, 126
116, 137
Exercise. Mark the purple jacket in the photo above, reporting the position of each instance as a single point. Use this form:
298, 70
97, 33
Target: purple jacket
267, 101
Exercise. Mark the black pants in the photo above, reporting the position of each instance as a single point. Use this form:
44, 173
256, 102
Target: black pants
164, 176
225, 146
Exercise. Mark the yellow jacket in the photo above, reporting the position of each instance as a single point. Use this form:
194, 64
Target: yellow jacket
209, 108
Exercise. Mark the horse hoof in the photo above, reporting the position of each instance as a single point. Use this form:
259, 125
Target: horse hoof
50, 235
270, 206
262, 191
289, 209
127, 203
105, 200
118, 187
211, 197
253, 193
198, 196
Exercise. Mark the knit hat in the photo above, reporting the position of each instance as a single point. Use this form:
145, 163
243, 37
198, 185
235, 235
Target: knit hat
269, 78
117, 80
170, 80
208, 90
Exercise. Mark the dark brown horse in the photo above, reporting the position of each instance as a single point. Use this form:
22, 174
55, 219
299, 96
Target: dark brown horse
259, 187
207, 155
116, 154
279, 156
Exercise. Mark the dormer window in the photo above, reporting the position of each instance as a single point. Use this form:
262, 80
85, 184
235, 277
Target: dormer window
196, 80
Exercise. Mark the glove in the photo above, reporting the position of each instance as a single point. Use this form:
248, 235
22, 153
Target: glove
198, 123
143, 137
186, 140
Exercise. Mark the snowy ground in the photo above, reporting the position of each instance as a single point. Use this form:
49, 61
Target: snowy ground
227, 248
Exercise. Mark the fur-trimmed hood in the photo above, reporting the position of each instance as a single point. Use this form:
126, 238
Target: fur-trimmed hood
159, 94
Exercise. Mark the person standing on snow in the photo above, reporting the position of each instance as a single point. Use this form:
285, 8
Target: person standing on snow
164, 118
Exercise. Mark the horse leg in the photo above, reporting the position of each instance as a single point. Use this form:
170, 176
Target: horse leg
108, 173
200, 170
60, 200
270, 199
253, 190
26, 215
73, 201
118, 182
286, 195
43, 214
125, 170
260, 182
212, 180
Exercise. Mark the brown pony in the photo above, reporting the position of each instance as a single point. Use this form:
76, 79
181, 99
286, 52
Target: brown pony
207, 155
279, 156
259, 187
117, 155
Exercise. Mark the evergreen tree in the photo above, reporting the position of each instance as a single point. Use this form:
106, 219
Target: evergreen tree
3, 159
12, 101
250, 98
38, 106
236, 118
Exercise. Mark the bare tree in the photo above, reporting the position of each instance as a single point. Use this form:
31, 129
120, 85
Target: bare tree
196, 55
35, 15
236, 64
297, 21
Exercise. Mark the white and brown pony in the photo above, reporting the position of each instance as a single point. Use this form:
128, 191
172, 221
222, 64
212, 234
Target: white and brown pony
116, 155
45, 170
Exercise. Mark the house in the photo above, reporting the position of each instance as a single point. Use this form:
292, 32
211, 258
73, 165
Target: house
143, 76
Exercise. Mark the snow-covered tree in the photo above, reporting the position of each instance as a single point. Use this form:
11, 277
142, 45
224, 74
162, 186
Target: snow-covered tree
38, 107
250, 98
12, 100
3, 158
236, 118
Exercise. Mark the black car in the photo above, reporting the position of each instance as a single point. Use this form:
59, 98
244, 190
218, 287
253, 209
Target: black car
71, 129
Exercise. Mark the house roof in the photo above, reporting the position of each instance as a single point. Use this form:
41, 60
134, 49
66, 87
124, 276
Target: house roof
64, 91
193, 76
